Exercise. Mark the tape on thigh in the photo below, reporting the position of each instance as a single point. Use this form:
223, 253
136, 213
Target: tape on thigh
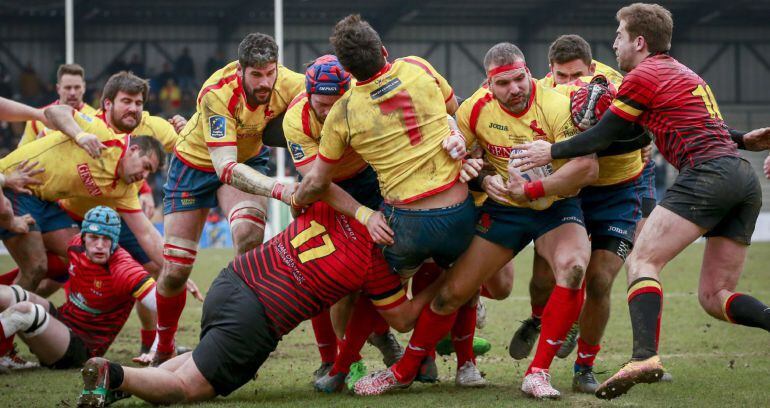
247, 212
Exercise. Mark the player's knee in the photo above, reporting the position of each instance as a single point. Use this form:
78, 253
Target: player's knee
174, 278
448, 300
569, 272
28, 318
247, 223
598, 286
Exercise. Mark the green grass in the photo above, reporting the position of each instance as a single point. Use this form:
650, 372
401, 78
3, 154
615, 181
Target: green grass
713, 363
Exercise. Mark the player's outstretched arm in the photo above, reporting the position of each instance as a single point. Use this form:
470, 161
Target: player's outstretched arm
12, 111
243, 177
565, 182
539, 153
60, 118
755, 140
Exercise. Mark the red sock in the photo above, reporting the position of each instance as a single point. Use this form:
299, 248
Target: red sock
427, 273
325, 338
537, 311
6, 343
586, 353
57, 268
169, 312
380, 325
148, 337
360, 326
431, 327
561, 311
8, 277
462, 334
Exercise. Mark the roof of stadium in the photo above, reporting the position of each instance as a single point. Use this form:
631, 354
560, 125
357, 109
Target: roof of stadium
384, 14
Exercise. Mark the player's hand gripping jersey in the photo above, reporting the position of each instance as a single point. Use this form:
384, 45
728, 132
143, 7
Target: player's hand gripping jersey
321, 257
678, 107
483, 119
100, 297
396, 121
224, 118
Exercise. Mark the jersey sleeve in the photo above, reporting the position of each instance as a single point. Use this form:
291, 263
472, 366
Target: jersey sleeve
296, 127
443, 84
160, 129
335, 135
383, 286
30, 132
131, 279
218, 122
463, 118
635, 94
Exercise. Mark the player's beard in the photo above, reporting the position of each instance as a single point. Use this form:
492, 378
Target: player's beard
75, 103
118, 122
521, 104
259, 100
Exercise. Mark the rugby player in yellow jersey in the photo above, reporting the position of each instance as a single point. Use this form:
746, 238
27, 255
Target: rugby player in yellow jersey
396, 119
72, 172
216, 158
325, 83
71, 86
612, 206
517, 212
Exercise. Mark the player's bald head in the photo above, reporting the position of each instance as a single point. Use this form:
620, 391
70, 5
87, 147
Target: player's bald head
503, 53
257, 50
358, 47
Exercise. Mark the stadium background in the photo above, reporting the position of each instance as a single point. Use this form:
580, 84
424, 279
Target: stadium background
727, 43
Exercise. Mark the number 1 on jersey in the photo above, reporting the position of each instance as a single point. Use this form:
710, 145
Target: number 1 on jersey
306, 235
708, 100
403, 101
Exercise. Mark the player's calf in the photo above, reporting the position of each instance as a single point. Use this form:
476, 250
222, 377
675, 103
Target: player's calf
247, 223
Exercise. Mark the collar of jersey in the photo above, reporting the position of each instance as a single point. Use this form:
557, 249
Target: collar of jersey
379, 73
529, 103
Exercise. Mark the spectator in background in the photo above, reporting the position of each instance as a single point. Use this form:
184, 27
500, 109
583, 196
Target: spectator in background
6, 89
184, 67
161, 79
136, 66
117, 65
170, 97
215, 62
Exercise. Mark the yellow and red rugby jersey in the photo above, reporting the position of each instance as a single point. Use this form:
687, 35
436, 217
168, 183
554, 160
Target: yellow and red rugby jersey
224, 118
302, 130
71, 172
396, 121
483, 119
618, 168
36, 129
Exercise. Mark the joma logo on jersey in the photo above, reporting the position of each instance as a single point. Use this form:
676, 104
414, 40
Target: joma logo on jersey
498, 127
88, 180
217, 125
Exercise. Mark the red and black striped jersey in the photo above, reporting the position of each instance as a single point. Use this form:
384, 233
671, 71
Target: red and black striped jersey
100, 297
318, 259
678, 107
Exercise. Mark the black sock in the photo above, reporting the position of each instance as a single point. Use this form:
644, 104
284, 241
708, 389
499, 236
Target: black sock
116, 376
645, 303
748, 311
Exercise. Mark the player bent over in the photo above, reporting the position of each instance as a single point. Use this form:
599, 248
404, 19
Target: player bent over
104, 284
716, 194
257, 299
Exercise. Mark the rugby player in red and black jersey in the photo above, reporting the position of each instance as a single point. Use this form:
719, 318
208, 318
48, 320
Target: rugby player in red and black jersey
716, 195
258, 298
104, 284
